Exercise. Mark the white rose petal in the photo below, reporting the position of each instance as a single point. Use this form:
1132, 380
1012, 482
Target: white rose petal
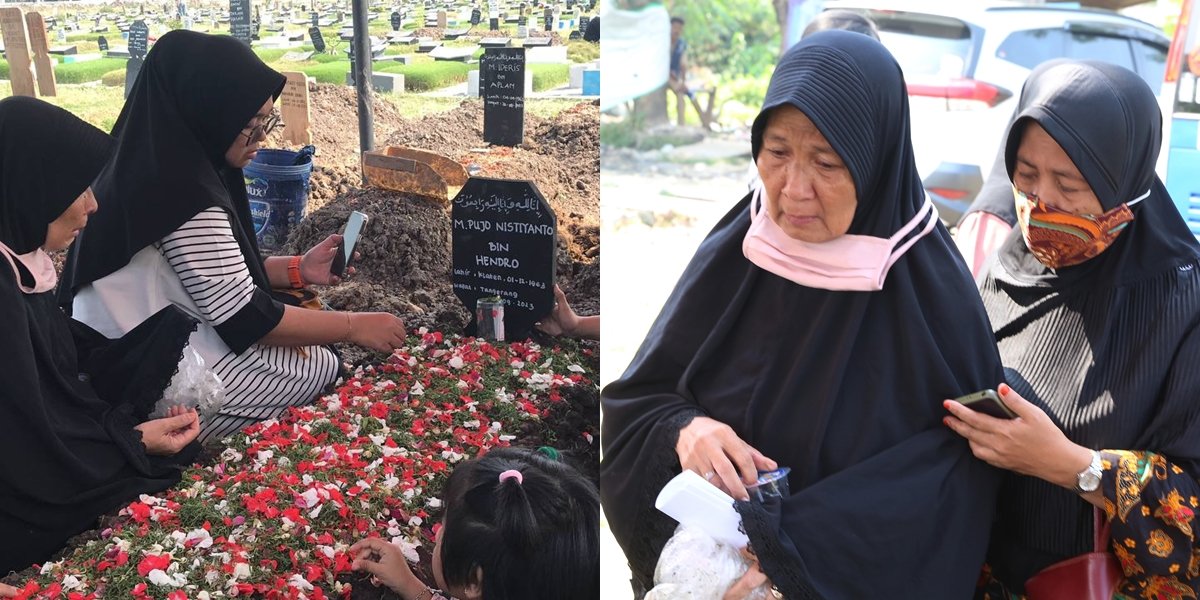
576, 369
71, 582
455, 362
299, 582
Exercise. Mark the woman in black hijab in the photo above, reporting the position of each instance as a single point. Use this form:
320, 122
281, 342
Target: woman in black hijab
176, 229
819, 333
70, 454
1095, 302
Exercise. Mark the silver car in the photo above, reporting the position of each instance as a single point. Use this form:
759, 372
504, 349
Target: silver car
965, 64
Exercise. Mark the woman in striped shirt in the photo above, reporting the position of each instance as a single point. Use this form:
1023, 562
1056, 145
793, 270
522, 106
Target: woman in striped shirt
174, 227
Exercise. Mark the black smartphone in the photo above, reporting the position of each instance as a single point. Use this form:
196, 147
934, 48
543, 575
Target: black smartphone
987, 402
350, 234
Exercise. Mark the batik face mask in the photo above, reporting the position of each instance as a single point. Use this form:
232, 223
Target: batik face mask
1061, 239
858, 263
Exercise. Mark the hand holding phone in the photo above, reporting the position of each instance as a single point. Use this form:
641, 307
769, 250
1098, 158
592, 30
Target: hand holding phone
988, 403
350, 234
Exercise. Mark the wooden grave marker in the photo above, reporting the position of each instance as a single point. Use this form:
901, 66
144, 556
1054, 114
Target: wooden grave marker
294, 107
16, 47
41, 54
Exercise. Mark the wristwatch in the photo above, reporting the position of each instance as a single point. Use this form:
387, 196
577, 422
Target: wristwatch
1088, 480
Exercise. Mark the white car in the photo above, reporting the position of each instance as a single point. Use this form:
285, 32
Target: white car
965, 64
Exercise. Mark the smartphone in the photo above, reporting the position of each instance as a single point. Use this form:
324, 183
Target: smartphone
988, 403
350, 234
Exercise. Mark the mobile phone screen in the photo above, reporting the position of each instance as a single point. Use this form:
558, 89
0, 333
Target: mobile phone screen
350, 235
354, 226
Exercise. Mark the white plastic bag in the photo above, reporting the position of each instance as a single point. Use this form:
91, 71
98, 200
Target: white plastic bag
637, 52
693, 566
194, 386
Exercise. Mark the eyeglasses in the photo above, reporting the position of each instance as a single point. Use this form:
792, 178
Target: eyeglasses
264, 128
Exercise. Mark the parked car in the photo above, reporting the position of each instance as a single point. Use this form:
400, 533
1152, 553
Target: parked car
965, 64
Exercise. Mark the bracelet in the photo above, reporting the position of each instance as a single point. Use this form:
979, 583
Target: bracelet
293, 270
349, 328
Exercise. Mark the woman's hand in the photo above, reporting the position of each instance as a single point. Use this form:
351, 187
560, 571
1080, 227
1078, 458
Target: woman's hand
1030, 444
379, 331
711, 448
169, 435
8, 591
386, 564
562, 320
751, 580
316, 264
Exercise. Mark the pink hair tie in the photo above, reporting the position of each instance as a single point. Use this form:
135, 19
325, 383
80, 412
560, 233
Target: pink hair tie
511, 474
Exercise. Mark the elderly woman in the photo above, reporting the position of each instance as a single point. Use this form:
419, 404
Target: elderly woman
176, 230
818, 327
1095, 302
74, 436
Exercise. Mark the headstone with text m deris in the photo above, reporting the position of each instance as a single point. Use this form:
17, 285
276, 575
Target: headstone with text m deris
240, 22
139, 39
504, 238
16, 48
41, 54
502, 86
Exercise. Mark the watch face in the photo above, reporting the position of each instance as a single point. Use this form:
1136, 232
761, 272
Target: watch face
1089, 481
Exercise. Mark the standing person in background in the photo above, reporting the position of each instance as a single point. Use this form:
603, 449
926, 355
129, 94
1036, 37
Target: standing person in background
678, 79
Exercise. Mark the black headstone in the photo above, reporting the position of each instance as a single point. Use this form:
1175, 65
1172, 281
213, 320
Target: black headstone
240, 21
133, 66
503, 244
575, 35
502, 86
318, 41
315, 18
139, 39
103, 41
476, 16
494, 24
395, 21
583, 21
549, 18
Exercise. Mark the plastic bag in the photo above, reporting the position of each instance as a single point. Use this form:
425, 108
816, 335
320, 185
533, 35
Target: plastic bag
194, 386
693, 566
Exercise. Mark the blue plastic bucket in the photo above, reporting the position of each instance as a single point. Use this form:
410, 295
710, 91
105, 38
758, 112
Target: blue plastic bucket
277, 186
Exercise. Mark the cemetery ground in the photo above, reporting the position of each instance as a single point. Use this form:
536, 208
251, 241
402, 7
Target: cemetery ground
272, 511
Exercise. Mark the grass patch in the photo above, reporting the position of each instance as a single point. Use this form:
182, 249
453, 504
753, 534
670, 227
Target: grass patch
83, 72
630, 133
114, 78
579, 51
548, 77
334, 72
97, 105
423, 77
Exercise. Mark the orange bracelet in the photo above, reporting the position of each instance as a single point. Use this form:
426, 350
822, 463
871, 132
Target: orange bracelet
294, 273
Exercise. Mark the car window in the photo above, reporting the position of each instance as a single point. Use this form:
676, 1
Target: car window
1107, 48
1032, 47
925, 45
1151, 63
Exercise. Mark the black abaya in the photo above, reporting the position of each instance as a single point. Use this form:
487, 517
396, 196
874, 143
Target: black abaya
843, 387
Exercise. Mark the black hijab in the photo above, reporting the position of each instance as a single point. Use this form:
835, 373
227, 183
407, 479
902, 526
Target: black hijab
70, 455
843, 387
192, 98
1110, 347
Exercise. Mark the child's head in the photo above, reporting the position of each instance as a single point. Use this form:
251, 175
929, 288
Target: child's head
519, 525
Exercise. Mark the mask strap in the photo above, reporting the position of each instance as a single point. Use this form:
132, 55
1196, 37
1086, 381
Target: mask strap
1139, 198
756, 200
925, 214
